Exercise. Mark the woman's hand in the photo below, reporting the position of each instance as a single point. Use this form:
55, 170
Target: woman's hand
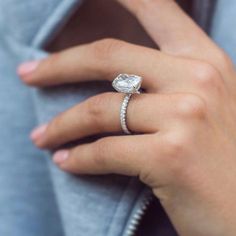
186, 151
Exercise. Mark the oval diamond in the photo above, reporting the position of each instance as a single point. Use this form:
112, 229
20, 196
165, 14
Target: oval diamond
125, 83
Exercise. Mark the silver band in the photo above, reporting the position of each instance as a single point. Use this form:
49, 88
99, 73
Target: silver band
123, 114
127, 84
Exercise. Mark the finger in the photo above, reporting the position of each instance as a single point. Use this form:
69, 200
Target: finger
173, 30
107, 58
106, 156
100, 114
101, 60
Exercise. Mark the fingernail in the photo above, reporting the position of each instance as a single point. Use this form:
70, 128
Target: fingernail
60, 156
27, 68
38, 132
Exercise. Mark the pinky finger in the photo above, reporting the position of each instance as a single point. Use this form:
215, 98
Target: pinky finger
125, 155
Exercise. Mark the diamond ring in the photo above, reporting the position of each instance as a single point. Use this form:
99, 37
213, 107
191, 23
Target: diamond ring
129, 85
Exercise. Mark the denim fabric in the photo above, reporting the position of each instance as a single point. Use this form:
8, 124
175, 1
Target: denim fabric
78, 205
223, 27
27, 202
36, 198
28, 206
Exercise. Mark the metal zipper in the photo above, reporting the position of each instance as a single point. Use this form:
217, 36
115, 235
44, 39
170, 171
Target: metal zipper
137, 216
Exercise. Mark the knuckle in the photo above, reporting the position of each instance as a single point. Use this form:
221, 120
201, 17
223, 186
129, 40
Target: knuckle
104, 49
207, 76
175, 145
53, 131
95, 107
191, 106
175, 152
99, 150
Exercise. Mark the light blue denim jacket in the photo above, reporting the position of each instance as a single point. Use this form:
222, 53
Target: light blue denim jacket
37, 199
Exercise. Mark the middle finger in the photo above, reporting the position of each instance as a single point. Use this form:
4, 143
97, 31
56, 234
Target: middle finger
104, 59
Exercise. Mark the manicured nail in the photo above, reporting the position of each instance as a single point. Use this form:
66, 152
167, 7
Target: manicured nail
38, 132
60, 156
27, 68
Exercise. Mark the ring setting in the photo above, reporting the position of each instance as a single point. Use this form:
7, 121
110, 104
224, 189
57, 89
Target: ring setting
129, 85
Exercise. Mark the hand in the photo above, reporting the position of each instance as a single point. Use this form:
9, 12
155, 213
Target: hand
186, 151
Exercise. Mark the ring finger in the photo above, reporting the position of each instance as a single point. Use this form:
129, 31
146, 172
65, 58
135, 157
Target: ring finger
100, 114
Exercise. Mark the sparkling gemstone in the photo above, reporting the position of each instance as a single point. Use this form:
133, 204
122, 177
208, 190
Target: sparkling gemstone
125, 83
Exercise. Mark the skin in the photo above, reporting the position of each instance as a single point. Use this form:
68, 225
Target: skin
186, 146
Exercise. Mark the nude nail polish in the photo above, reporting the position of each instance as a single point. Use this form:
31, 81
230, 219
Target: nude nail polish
60, 156
38, 132
27, 68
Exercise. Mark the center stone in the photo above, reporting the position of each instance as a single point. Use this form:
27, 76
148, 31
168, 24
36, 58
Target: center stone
125, 83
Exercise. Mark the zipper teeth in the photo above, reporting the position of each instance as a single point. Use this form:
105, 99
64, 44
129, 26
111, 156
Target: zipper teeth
134, 222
